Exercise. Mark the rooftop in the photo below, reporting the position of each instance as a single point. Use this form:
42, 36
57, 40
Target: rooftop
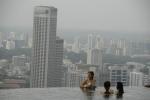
133, 93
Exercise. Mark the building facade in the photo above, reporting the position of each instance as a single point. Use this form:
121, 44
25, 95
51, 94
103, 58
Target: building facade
136, 79
59, 60
95, 57
119, 73
43, 67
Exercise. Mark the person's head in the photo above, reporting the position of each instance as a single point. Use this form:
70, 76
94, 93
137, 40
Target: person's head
120, 87
107, 85
90, 75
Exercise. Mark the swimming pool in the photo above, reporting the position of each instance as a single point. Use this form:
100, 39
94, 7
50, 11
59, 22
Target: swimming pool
64, 93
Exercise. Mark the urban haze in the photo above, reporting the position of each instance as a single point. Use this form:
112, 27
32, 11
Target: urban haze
55, 47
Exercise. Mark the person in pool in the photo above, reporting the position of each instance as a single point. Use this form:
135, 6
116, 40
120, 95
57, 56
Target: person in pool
88, 83
120, 89
108, 91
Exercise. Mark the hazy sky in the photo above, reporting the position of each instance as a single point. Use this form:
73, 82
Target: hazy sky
109, 15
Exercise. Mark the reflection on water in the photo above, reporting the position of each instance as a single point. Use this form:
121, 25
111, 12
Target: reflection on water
119, 97
106, 97
130, 94
72, 94
92, 96
88, 94
96, 95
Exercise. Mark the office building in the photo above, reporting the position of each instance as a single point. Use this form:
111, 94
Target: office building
43, 67
136, 79
10, 44
119, 73
76, 45
59, 60
20, 60
94, 57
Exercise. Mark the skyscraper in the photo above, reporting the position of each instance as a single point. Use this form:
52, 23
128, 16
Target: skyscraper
94, 52
76, 45
95, 57
99, 42
136, 79
59, 60
43, 67
1, 37
119, 73
91, 41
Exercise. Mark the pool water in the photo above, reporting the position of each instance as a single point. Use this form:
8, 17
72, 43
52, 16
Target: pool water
64, 93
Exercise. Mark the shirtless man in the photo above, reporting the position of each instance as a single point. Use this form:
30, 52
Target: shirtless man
89, 83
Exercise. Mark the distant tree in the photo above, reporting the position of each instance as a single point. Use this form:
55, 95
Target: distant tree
7, 54
108, 58
75, 57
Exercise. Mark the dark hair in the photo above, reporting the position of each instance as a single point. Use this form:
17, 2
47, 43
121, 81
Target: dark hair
107, 87
120, 88
107, 84
92, 74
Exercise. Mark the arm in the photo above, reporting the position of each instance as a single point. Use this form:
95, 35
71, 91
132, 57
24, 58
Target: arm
90, 83
83, 84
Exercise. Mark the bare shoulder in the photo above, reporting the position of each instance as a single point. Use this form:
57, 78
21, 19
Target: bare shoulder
84, 81
94, 80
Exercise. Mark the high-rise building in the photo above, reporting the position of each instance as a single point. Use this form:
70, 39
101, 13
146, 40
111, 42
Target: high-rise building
59, 60
94, 57
136, 79
20, 64
76, 45
99, 42
43, 67
71, 76
94, 52
73, 79
91, 41
26, 40
118, 47
20, 60
10, 44
146, 80
119, 73
1, 37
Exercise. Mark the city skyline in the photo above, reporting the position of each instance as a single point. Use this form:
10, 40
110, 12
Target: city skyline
74, 49
104, 54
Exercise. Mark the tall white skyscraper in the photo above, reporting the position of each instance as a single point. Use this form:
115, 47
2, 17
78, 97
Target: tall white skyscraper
91, 41
44, 69
95, 57
99, 42
76, 45
94, 52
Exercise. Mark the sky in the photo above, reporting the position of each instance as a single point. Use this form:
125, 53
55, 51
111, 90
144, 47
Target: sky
107, 15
